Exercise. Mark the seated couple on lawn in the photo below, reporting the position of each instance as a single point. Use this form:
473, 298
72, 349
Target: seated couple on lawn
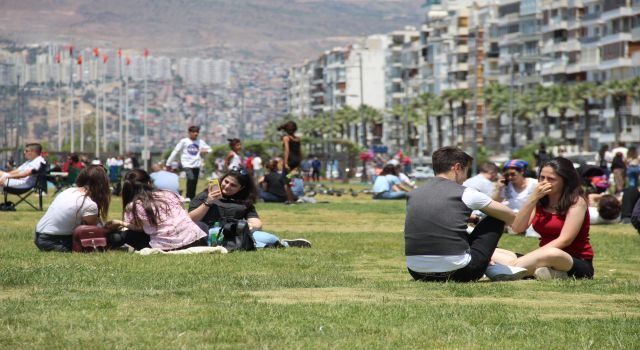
438, 247
153, 218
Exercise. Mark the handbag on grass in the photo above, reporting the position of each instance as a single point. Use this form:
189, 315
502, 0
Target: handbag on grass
89, 239
236, 235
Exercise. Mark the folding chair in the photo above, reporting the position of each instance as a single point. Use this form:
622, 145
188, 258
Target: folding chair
39, 188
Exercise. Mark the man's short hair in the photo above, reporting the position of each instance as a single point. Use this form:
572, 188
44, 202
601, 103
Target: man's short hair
446, 157
609, 207
489, 167
194, 128
36, 147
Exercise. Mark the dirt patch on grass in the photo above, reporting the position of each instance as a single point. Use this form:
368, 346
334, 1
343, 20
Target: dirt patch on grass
545, 304
327, 296
16, 293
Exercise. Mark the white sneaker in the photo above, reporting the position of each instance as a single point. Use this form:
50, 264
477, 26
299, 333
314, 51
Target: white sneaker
499, 272
547, 273
530, 232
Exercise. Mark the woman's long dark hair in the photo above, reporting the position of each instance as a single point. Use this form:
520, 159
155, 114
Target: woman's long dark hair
248, 194
138, 189
571, 190
289, 127
95, 182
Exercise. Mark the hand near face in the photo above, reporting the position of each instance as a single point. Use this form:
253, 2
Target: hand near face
542, 189
214, 193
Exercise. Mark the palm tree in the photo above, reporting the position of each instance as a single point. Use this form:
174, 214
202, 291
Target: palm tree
496, 97
585, 92
618, 90
463, 96
541, 104
429, 104
451, 96
523, 111
344, 117
562, 101
371, 116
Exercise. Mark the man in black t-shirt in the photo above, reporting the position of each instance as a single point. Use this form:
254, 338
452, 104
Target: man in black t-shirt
272, 185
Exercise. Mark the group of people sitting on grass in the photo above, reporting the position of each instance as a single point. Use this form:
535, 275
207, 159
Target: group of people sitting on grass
152, 218
438, 246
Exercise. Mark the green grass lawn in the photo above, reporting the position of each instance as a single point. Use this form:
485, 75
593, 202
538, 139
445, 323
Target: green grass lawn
350, 290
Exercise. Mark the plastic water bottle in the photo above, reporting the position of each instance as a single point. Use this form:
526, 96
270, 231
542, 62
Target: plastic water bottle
213, 234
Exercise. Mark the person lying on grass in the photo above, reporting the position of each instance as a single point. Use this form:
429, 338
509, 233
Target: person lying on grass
155, 218
437, 245
235, 199
87, 203
557, 209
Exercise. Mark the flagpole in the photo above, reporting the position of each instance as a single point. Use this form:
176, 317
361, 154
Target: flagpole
126, 105
120, 145
72, 142
146, 137
105, 144
80, 109
96, 55
59, 65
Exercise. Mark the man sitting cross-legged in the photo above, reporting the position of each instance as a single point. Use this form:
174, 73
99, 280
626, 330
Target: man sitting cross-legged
437, 245
25, 175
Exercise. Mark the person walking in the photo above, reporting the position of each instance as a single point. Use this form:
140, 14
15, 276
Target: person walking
191, 150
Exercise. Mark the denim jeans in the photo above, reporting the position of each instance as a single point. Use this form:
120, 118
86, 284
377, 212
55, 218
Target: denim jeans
270, 197
390, 195
632, 175
263, 239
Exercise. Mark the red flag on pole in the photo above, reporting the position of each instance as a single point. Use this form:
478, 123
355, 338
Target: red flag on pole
146, 53
127, 60
105, 58
80, 60
96, 52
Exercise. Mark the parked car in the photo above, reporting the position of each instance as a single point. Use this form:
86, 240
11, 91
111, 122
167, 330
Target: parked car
421, 173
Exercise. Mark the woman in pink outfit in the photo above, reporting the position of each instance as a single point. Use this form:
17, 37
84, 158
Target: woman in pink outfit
157, 213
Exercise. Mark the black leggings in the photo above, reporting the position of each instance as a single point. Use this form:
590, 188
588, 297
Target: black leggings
581, 268
482, 243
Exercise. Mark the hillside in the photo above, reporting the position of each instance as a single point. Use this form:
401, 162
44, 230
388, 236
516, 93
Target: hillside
276, 30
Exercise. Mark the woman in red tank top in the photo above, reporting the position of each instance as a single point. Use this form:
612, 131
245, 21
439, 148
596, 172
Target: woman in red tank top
558, 211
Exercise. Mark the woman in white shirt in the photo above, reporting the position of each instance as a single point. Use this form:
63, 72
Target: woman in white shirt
514, 188
87, 203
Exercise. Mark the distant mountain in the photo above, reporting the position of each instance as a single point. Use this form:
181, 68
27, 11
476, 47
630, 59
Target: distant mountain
279, 30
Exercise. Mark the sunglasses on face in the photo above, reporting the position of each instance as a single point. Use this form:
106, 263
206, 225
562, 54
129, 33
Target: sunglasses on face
510, 174
240, 171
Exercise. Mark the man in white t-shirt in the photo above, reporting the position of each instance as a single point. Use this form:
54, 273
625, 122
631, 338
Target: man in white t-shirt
485, 181
25, 175
258, 170
191, 150
437, 245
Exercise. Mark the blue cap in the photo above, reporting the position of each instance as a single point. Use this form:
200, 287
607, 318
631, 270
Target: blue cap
515, 163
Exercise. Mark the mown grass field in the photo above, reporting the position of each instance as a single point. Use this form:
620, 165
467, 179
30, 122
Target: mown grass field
350, 290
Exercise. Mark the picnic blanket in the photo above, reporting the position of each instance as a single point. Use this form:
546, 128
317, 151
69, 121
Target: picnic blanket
192, 250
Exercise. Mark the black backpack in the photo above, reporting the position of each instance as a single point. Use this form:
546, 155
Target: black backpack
236, 235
